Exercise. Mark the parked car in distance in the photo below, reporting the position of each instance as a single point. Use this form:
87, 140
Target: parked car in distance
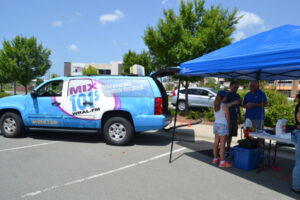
117, 106
169, 93
201, 97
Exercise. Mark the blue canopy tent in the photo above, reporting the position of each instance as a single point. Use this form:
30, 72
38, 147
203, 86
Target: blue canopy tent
270, 55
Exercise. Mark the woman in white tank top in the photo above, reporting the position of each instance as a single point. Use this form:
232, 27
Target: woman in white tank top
221, 129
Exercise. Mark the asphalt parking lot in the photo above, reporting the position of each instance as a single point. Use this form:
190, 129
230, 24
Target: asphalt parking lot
79, 165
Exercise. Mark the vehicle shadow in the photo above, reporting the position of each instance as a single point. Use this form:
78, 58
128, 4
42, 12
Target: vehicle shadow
151, 139
83, 136
278, 179
67, 136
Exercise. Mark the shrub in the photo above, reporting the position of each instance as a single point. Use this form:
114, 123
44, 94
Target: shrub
209, 115
193, 115
3, 94
276, 112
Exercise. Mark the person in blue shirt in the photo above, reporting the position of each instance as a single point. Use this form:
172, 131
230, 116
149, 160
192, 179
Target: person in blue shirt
255, 102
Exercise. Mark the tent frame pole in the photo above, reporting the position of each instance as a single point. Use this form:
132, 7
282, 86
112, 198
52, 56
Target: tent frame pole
174, 128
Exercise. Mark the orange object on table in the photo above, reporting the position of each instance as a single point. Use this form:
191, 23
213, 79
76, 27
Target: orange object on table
246, 133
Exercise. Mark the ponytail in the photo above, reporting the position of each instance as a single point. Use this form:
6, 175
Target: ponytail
217, 103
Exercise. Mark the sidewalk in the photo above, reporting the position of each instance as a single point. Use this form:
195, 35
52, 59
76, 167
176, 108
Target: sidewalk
203, 132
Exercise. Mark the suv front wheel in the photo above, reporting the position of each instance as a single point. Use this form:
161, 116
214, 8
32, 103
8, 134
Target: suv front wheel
118, 131
11, 125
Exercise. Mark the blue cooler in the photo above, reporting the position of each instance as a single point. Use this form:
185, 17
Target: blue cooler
246, 159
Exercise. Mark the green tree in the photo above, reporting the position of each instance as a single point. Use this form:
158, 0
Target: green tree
39, 81
54, 75
90, 70
130, 58
4, 78
194, 32
24, 59
211, 83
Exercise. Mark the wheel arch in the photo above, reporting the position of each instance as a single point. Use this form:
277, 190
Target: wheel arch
16, 111
116, 113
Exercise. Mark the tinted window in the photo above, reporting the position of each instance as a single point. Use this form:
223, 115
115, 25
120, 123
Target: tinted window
127, 87
51, 89
204, 92
194, 91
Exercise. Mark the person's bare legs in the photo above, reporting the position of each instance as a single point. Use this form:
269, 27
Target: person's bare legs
216, 145
222, 147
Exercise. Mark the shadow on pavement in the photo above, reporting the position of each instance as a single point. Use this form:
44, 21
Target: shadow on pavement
82, 136
279, 179
151, 139
67, 136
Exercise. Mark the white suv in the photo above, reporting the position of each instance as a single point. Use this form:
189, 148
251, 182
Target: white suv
198, 97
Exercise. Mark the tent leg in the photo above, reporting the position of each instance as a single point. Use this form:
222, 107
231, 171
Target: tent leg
174, 128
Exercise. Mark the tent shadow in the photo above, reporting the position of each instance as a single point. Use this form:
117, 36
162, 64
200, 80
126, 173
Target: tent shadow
277, 179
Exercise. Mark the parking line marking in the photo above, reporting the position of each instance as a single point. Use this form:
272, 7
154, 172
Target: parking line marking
31, 194
28, 146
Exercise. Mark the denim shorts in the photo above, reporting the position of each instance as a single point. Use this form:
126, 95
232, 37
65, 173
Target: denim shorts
221, 129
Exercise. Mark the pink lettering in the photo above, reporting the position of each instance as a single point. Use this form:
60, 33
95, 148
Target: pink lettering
75, 91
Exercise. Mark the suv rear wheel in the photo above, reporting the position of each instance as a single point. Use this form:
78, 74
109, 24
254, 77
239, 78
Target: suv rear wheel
118, 131
11, 125
181, 105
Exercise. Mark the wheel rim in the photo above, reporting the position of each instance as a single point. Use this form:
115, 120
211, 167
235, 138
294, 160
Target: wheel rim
117, 131
181, 106
10, 125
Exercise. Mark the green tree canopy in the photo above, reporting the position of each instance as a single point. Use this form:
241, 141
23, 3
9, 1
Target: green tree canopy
193, 32
90, 70
132, 58
54, 75
24, 59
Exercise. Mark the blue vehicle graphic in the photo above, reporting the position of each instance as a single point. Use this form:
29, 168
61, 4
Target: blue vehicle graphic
118, 106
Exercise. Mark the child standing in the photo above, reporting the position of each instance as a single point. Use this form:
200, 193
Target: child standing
221, 129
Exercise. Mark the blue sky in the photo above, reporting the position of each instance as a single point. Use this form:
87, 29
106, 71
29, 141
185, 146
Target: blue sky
101, 31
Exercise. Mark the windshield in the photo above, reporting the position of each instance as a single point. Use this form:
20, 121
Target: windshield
214, 91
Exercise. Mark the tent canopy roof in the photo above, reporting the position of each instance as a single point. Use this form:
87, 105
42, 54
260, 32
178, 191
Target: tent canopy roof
270, 55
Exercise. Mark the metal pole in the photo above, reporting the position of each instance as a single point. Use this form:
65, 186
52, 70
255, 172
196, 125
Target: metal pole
174, 128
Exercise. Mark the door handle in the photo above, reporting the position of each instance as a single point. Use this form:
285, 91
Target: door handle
87, 103
55, 103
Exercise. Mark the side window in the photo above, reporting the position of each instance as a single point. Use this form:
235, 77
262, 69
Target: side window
51, 89
193, 91
182, 91
204, 92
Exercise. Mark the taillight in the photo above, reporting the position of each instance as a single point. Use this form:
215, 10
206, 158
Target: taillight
158, 106
174, 93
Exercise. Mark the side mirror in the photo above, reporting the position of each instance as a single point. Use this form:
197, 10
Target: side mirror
33, 94
211, 96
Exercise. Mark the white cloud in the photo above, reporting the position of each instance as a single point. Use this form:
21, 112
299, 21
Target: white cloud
238, 35
77, 13
164, 1
114, 42
111, 17
57, 23
249, 20
248, 25
73, 48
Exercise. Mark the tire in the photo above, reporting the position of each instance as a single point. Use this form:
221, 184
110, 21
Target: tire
181, 105
12, 125
118, 131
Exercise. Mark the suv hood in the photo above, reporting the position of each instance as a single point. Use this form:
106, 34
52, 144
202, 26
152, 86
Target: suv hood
12, 101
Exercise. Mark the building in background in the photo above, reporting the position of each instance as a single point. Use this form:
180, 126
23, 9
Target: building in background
75, 69
137, 69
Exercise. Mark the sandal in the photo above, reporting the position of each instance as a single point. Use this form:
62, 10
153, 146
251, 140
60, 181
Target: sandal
225, 164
